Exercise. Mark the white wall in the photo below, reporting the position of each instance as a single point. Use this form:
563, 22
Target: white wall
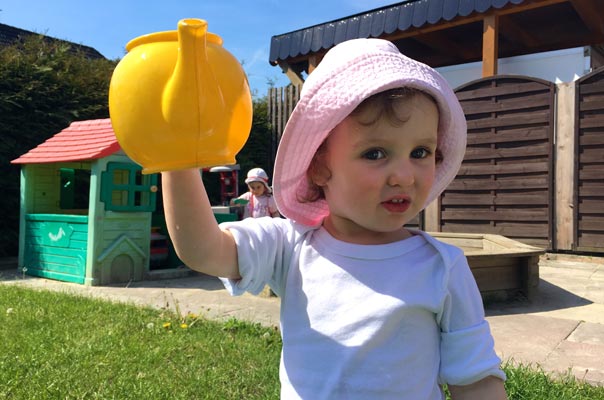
555, 66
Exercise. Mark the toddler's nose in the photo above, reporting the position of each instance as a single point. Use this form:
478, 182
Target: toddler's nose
401, 174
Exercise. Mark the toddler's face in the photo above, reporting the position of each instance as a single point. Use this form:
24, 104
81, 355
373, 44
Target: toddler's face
257, 188
376, 177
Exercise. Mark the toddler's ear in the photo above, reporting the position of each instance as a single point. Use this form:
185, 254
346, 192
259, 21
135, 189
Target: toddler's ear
318, 172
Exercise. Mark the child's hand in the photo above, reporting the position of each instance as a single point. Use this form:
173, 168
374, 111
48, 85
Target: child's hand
487, 388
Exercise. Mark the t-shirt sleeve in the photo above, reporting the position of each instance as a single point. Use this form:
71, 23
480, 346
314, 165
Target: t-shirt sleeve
272, 206
264, 247
467, 346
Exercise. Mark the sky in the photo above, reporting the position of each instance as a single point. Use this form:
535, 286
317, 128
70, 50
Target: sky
246, 26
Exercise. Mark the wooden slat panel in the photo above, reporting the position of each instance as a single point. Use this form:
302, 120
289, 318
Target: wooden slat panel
591, 155
589, 209
592, 172
514, 168
594, 87
593, 240
508, 161
594, 104
593, 138
478, 262
508, 135
281, 102
520, 183
497, 278
514, 104
591, 206
514, 88
586, 190
492, 200
529, 118
592, 121
478, 153
515, 231
592, 223
515, 214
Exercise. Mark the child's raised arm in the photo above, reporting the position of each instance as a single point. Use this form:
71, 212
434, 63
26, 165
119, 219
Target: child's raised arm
197, 239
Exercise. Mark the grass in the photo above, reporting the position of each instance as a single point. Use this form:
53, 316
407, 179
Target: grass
532, 383
62, 346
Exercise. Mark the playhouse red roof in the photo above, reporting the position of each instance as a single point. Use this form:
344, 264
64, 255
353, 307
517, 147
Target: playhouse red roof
82, 140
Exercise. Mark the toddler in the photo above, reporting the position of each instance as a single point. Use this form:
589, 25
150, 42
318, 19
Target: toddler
369, 309
258, 201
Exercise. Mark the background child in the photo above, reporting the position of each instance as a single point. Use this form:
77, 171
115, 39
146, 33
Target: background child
369, 309
258, 201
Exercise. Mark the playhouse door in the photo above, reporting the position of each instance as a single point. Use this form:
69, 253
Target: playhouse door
55, 246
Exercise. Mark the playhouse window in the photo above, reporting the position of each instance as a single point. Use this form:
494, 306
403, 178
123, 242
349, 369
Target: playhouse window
75, 189
125, 188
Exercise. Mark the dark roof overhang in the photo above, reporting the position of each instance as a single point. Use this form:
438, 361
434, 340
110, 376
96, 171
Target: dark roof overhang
450, 32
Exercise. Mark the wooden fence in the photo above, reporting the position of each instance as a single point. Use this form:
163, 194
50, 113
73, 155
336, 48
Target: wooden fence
505, 183
281, 103
589, 175
534, 165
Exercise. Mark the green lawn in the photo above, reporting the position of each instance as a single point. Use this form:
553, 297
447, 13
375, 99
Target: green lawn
59, 346
62, 346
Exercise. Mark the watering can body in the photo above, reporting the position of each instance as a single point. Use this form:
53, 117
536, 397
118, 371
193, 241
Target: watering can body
179, 100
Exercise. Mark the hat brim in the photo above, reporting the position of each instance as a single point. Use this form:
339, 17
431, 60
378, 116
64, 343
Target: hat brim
250, 180
349, 73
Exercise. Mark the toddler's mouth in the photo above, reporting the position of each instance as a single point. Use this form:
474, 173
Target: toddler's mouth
397, 204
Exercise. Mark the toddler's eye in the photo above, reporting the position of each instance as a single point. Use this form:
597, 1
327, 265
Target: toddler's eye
374, 154
420, 153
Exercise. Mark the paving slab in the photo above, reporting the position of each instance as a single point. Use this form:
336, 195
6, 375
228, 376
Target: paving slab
528, 339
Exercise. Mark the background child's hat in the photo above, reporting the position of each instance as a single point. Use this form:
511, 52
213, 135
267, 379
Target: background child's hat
348, 74
257, 175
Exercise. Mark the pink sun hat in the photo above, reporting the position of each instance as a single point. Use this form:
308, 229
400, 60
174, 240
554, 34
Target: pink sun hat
348, 74
258, 175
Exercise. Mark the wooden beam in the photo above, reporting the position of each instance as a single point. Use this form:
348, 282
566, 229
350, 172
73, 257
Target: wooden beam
443, 44
530, 5
592, 15
490, 45
313, 61
512, 32
294, 77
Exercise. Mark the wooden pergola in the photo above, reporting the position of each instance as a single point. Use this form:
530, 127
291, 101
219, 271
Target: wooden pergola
451, 32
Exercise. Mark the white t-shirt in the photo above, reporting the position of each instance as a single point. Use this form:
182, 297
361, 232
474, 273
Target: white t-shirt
390, 321
263, 206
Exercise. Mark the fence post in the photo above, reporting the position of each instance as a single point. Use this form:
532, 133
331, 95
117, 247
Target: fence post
432, 216
565, 167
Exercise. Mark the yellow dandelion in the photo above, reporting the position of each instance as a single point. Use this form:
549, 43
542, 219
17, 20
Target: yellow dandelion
167, 325
184, 326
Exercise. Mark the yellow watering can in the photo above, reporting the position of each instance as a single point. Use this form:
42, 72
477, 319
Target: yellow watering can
179, 100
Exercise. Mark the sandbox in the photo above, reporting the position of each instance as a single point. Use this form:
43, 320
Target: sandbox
502, 267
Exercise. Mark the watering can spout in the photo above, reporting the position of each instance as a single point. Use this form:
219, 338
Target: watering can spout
192, 96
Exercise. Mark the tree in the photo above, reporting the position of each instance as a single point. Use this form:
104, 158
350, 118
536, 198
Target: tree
44, 86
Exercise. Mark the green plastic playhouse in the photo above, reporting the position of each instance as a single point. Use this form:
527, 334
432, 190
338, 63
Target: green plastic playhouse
86, 209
